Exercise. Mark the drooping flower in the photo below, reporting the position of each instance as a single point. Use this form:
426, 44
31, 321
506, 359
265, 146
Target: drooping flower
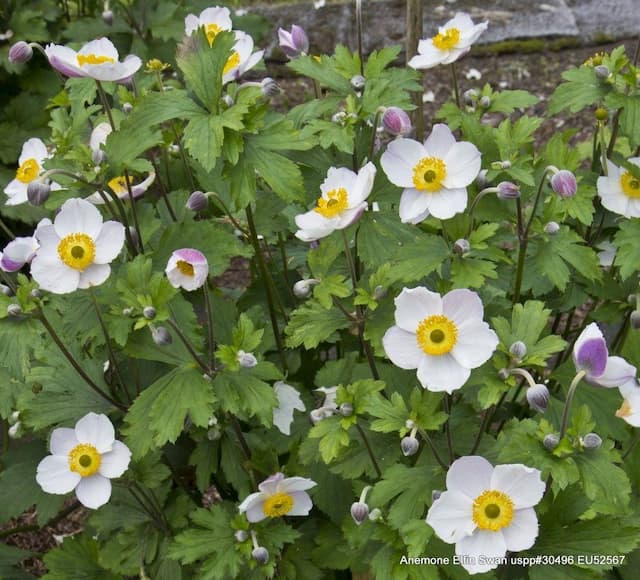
341, 203
619, 190
33, 155
487, 511
187, 268
435, 175
97, 59
563, 182
17, 253
84, 459
278, 496
444, 337
453, 40
288, 400
396, 121
118, 185
76, 250
98, 138
630, 408
242, 58
214, 20
294, 43
590, 354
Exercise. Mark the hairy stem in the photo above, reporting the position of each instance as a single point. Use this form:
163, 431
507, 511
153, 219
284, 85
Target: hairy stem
567, 405
374, 461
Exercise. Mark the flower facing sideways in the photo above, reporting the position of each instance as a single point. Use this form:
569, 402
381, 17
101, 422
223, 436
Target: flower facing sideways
187, 268
630, 408
242, 58
343, 200
434, 176
85, 458
118, 185
444, 337
17, 253
97, 59
453, 40
214, 20
619, 190
279, 496
288, 400
486, 511
76, 250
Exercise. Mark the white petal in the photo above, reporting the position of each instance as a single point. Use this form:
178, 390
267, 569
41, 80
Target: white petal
442, 373
401, 347
362, 186
78, 216
450, 516
96, 430
470, 475
468, 37
191, 24
439, 142
94, 275
115, 462
288, 400
33, 148
100, 47
54, 476
109, 242
350, 216
64, 60
252, 505
413, 305
462, 306
617, 372
413, 206
522, 532
55, 276
291, 484
475, 344
217, 15
481, 547
16, 192
399, 159
302, 504
94, 491
463, 165
62, 441
99, 136
616, 202
338, 177
428, 56
521, 483
446, 203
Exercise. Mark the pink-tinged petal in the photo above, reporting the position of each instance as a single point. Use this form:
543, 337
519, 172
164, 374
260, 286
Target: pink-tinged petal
590, 332
475, 344
138, 189
54, 476
413, 305
463, 165
93, 492
350, 216
470, 475
414, 204
109, 242
450, 516
96, 430
64, 60
94, 275
401, 347
418, 218
521, 483
302, 504
442, 373
617, 372
78, 216
271, 485
115, 462
592, 356
17, 253
483, 549
62, 441
440, 141
446, 203
399, 159
55, 276
462, 306
522, 532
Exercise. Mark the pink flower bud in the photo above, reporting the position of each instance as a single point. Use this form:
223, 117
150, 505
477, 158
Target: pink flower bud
564, 183
396, 122
20, 52
294, 43
508, 190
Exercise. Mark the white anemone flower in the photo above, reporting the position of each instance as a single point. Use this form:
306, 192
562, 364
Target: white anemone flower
444, 337
434, 176
278, 496
85, 458
619, 190
214, 20
343, 200
630, 408
76, 250
17, 253
487, 511
242, 58
187, 268
33, 155
97, 59
288, 400
118, 185
453, 40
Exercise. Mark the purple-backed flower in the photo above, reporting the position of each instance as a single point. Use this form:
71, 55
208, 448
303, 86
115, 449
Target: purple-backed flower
20, 52
508, 190
564, 183
188, 269
590, 354
17, 253
396, 121
294, 43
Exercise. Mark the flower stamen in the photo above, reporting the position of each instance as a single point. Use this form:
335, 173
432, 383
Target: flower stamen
28, 171
84, 459
630, 185
278, 504
429, 173
185, 268
232, 62
77, 251
492, 510
436, 334
625, 410
335, 202
447, 40
94, 59
212, 30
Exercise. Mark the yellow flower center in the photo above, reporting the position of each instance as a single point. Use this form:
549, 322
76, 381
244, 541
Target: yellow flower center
28, 171
630, 185
119, 185
84, 459
625, 410
492, 510
93, 59
436, 334
278, 504
211, 30
185, 268
77, 251
332, 205
232, 62
447, 40
429, 173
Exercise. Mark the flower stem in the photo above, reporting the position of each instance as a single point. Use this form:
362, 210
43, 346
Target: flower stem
632, 446
246, 450
105, 104
434, 451
523, 373
163, 190
454, 81
188, 346
209, 315
5, 228
134, 211
567, 405
359, 34
374, 461
446, 401
414, 34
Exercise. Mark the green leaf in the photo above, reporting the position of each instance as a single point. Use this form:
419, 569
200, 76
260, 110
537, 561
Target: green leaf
582, 89
76, 558
629, 117
330, 286
203, 138
311, 324
333, 438
508, 101
323, 70
9, 558
392, 414
156, 108
420, 258
626, 240
245, 395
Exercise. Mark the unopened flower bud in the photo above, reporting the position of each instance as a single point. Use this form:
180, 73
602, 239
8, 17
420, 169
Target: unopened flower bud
14, 310
270, 88
127, 311
346, 409
294, 43
14, 417
380, 292
409, 446
20, 52
359, 512
470, 97
358, 82
503, 374
197, 201
508, 190
481, 179
564, 183
214, 434
98, 156
127, 108
246, 359
538, 397
435, 494
592, 441
485, 102
632, 299
241, 536
518, 350
503, 164
602, 72
409, 423
375, 514
38, 192
14, 430
303, 288
161, 335
227, 100
634, 320
316, 416
338, 117
260, 555
551, 441
149, 312
396, 121
35, 294
6, 290
601, 114
107, 17
551, 228
461, 246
